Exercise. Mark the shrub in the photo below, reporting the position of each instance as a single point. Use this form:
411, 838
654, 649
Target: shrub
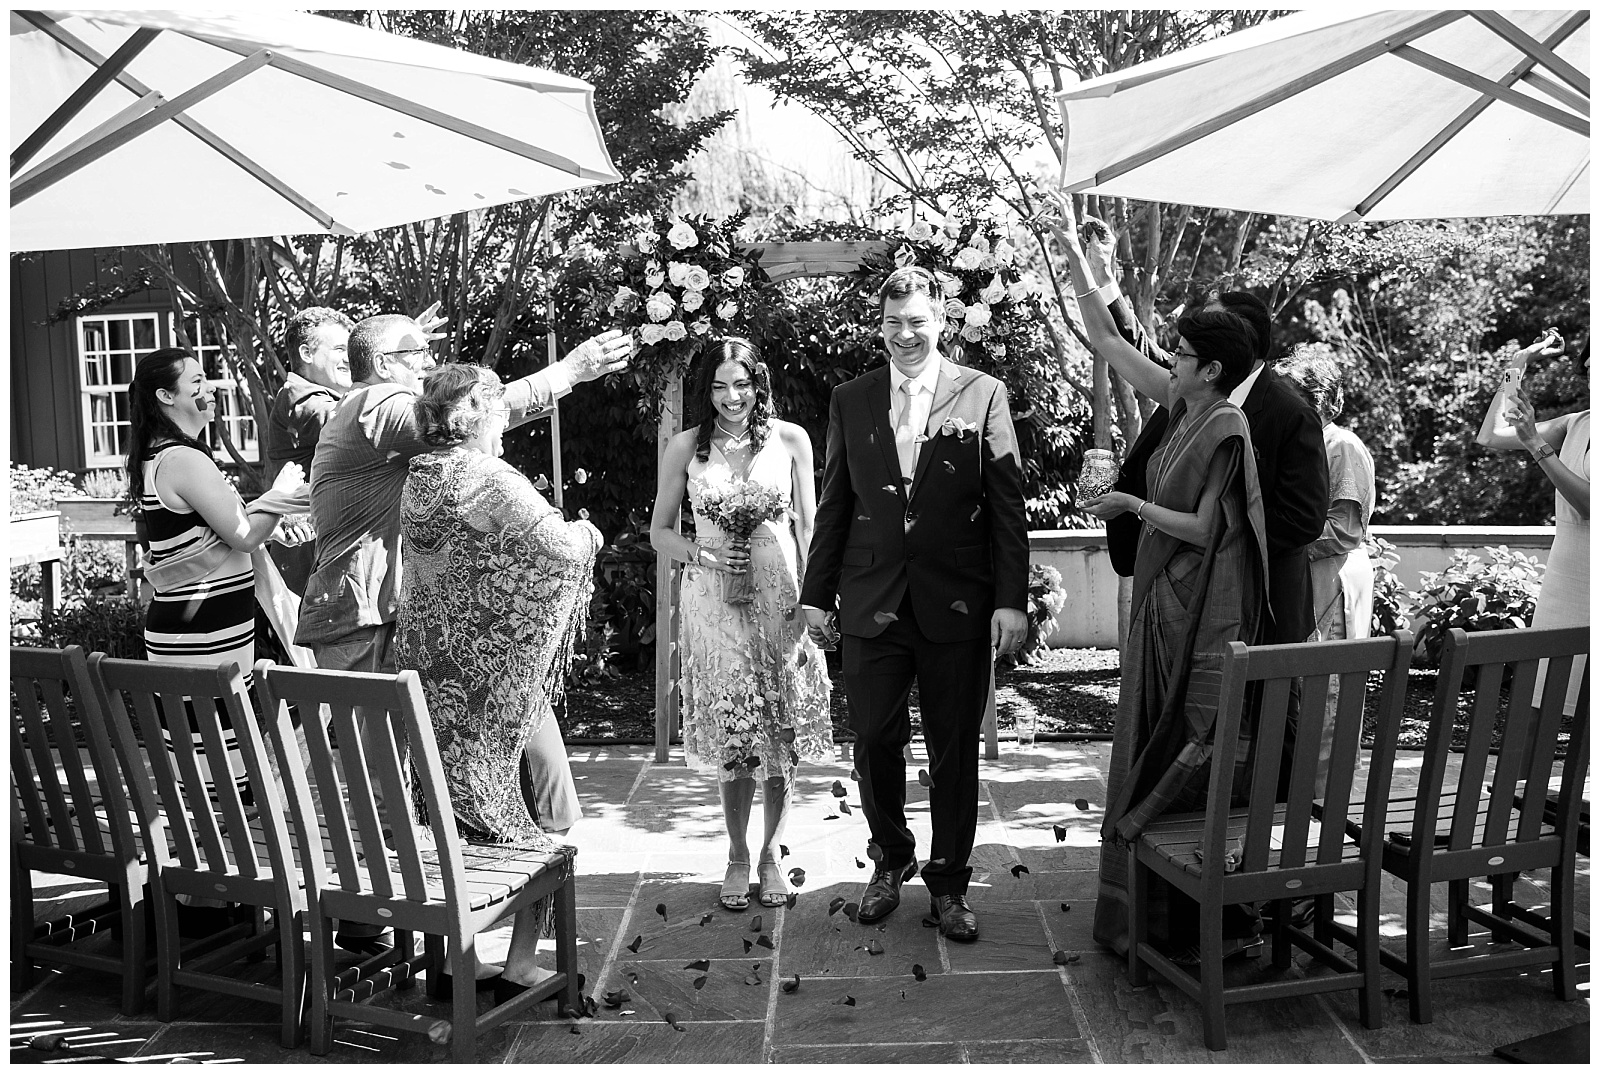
110, 625
1046, 597
1390, 602
106, 484
37, 490
1474, 595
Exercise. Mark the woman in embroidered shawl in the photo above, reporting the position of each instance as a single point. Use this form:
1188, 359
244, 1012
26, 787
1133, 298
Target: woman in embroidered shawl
495, 583
1199, 583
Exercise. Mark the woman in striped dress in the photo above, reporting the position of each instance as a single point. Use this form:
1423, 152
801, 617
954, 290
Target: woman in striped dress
200, 533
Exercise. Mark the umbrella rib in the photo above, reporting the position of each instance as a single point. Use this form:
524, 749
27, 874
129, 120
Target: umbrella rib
1457, 125
1575, 101
1267, 100
454, 124
1472, 80
98, 79
1526, 42
42, 178
75, 45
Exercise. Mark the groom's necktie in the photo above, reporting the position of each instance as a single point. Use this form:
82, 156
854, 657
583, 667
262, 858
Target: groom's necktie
906, 432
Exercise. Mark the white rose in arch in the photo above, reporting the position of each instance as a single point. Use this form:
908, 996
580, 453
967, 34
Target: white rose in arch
1004, 252
944, 243
697, 279
700, 326
734, 277
653, 276
919, 231
979, 242
953, 309
994, 290
972, 333
952, 226
989, 263
678, 272
626, 298
682, 236
646, 241
674, 330
692, 300
967, 258
727, 310
997, 350
659, 306
978, 315
651, 334
1018, 291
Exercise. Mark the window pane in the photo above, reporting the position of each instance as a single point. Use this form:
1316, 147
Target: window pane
144, 334
118, 332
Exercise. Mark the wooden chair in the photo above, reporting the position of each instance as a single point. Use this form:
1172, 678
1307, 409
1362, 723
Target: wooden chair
449, 893
1475, 822
1282, 850
70, 815
202, 838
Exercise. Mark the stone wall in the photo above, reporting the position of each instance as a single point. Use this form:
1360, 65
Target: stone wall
1089, 619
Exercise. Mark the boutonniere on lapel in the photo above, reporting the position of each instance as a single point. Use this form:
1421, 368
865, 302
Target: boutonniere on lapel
957, 428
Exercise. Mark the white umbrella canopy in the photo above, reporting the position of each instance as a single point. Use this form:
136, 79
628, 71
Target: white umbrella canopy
239, 124
1350, 114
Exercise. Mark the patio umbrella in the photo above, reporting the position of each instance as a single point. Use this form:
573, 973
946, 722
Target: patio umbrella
135, 127
1334, 115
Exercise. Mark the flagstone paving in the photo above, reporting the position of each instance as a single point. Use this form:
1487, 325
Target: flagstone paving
651, 856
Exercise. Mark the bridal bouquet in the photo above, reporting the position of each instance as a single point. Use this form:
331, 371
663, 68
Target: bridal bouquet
738, 507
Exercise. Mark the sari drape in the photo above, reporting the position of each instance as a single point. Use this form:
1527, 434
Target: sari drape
1188, 603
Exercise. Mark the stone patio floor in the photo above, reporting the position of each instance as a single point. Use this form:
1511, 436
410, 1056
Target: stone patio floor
651, 853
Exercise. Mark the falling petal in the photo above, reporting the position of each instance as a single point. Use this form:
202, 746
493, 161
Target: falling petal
918, 972
797, 876
432, 189
790, 899
1082, 803
923, 777
890, 488
783, 851
786, 735
831, 816
855, 776
699, 983
791, 985
844, 807
976, 511
1061, 833
874, 851
860, 864
838, 790
1018, 870
1059, 958
959, 606
397, 166
949, 467
863, 518
885, 617
700, 965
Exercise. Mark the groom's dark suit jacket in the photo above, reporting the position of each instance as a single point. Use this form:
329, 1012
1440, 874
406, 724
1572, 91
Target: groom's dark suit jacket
958, 538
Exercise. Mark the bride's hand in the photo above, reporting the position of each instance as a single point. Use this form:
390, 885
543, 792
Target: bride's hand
729, 559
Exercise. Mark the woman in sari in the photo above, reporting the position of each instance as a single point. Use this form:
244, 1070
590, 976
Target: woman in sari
495, 582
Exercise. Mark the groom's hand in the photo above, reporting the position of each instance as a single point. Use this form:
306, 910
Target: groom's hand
1008, 627
819, 625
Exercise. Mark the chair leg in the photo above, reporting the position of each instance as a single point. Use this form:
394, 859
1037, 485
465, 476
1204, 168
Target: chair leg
567, 943
405, 947
1368, 912
1213, 1011
292, 976
319, 986
1563, 885
464, 1003
1419, 973
433, 951
131, 896
168, 950
1138, 907
21, 925
1322, 923
258, 927
1282, 948
1455, 917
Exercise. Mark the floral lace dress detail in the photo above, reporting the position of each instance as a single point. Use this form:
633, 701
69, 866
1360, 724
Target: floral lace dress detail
755, 687
495, 583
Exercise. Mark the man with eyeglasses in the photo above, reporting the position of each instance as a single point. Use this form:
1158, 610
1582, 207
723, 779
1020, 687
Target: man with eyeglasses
359, 470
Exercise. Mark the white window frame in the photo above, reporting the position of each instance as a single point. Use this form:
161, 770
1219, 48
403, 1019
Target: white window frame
109, 388
232, 397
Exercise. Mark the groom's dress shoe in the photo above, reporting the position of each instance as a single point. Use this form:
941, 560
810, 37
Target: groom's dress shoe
883, 892
956, 919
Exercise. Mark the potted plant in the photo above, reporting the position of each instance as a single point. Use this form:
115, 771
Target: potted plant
101, 507
35, 531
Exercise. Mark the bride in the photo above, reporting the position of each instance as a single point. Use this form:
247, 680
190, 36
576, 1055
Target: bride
755, 689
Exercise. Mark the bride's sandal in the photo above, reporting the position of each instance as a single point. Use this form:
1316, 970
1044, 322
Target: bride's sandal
735, 894
774, 892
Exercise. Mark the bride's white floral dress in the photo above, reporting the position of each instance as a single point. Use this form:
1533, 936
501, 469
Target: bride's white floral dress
755, 688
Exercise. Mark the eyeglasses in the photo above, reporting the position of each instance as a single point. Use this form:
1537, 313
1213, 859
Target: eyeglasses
408, 351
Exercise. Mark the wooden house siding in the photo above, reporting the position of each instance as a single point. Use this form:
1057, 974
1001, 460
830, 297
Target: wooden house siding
46, 388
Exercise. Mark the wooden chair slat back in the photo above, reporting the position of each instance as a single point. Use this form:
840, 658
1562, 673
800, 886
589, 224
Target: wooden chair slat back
151, 760
60, 674
208, 817
1268, 672
34, 748
1529, 733
350, 811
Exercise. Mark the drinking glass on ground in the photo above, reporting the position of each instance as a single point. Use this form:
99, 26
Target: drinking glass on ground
1027, 722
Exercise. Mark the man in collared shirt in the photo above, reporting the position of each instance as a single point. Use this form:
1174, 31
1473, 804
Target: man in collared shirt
317, 343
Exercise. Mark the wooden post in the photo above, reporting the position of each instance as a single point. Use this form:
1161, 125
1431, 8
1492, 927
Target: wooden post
667, 572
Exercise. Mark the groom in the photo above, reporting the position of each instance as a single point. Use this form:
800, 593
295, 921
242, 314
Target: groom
921, 542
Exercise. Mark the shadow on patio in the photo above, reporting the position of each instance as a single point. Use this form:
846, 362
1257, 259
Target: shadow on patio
650, 861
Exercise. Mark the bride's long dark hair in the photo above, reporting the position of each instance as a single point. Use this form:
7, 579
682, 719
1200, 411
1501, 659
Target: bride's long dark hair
743, 352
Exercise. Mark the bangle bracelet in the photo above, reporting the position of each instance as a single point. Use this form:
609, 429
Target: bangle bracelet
1139, 513
1086, 294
